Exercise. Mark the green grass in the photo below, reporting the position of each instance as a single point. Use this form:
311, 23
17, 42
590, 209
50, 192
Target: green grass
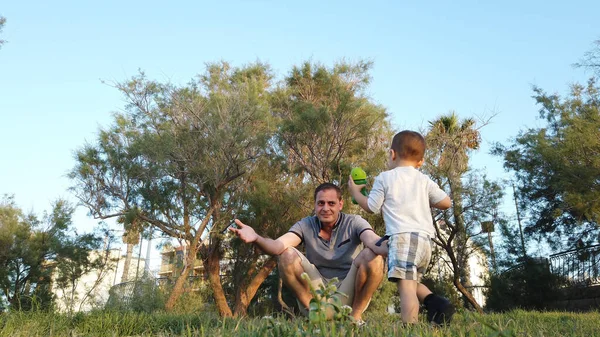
516, 323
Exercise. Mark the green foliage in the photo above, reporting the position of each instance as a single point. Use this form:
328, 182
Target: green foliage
443, 287
529, 286
188, 159
116, 324
170, 157
196, 300
449, 144
509, 251
591, 59
270, 201
386, 295
32, 249
326, 300
76, 257
266, 302
143, 296
557, 165
174, 160
2, 22
327, 122
326, 314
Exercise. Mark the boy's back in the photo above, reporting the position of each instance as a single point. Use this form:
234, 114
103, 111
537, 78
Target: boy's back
404, 196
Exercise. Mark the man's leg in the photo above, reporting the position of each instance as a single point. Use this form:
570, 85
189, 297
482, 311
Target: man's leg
364, 283
290, 264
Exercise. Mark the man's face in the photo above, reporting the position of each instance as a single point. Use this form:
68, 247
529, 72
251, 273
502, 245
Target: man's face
328, 206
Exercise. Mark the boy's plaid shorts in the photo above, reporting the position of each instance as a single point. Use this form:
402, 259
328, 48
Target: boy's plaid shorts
408, 256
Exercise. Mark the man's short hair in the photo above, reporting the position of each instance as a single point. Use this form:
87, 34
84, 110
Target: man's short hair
328, 186
409, 145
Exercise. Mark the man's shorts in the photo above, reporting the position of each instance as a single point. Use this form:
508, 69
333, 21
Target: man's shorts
408, 256
317, 280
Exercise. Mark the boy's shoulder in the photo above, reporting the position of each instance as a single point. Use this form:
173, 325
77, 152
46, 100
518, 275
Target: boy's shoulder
401, 171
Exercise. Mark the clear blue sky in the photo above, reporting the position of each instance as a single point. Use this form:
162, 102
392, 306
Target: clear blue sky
429, 58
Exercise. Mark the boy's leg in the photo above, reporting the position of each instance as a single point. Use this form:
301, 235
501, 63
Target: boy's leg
409, 255
409, 302
422, 292
439, 309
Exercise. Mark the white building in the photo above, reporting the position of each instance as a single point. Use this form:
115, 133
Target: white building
478, 271
91, 291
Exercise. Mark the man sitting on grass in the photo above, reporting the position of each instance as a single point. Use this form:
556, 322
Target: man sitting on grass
332, 241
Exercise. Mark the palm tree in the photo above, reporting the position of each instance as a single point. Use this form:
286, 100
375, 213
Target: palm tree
131, 237
450, 141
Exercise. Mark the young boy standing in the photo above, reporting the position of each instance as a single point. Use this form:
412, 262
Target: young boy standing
405, 197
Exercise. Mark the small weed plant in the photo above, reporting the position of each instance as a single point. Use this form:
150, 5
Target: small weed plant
327, 316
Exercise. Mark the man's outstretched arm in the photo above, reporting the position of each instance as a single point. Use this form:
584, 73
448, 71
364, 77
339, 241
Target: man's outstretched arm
269, 246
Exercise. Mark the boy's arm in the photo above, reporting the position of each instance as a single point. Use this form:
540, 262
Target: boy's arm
362, 200
444, 204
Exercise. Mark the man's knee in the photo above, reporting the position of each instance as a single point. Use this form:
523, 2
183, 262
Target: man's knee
368, 259
287, 259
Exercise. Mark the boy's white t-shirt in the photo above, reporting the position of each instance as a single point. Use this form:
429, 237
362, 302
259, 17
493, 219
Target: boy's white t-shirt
404, 196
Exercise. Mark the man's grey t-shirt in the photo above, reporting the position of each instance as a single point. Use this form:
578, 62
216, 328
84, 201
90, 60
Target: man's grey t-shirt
332, 258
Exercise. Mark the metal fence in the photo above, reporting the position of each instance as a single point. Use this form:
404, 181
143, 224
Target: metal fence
122, 294
578, 267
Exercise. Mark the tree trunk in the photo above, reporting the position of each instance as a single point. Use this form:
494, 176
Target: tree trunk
125, 275
214, 278
280, 300
456, 269
245, 292
178, 289
462, 268
467, 294
179, 286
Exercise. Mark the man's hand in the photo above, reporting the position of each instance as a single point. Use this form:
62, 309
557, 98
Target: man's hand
381, 249
244, 232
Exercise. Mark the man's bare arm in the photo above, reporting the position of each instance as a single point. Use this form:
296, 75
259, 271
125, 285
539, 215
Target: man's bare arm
370, 238
267, 245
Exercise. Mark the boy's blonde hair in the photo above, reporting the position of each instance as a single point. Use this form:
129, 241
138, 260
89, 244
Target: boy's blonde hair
409, 145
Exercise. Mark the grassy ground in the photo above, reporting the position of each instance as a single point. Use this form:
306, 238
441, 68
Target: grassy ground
516, 323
